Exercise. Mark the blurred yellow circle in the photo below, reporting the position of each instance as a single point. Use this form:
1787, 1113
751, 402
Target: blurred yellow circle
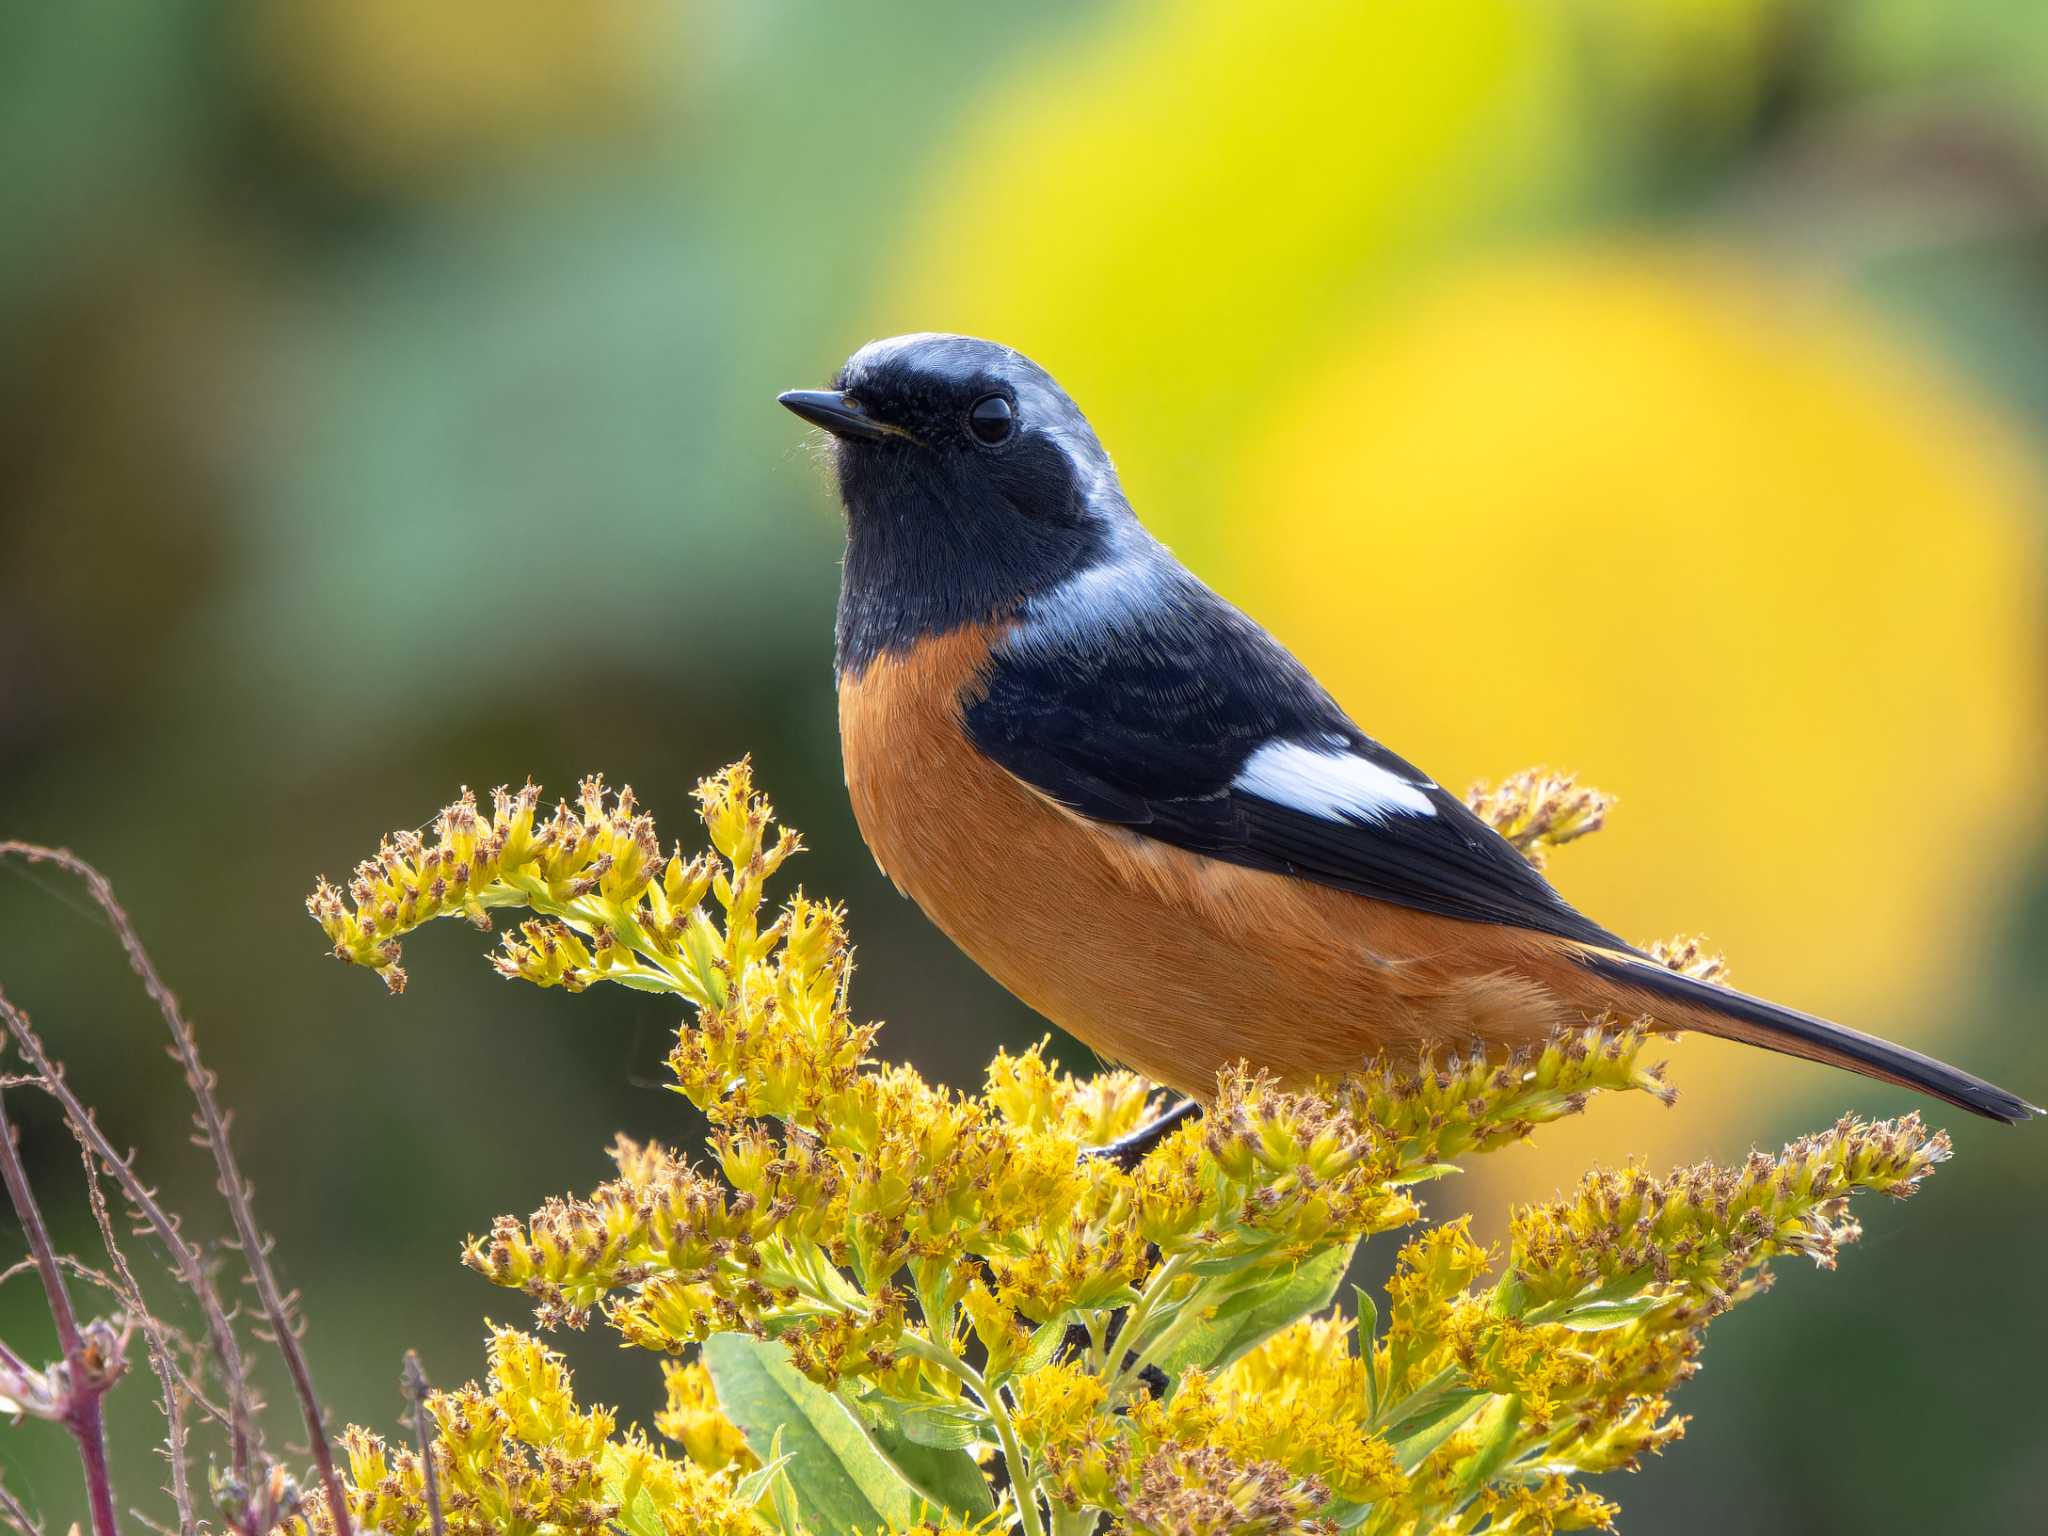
1722, 547
1186, 193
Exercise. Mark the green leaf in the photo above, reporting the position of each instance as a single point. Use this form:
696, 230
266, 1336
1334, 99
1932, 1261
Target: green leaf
924, 1424
1512, 1299
1249, 1299
926, 1443
1424, 1174
1230, 1264
700, 942
1368, 1333
1368, 1317
841, 1480
943, 1473
1249, 1317
1597, 1316
941, 1427
751, 1487
789, 1520
642, 1517
1496, 1441
1345, 1515
1511, 1296
1423, 1431
1045, 1343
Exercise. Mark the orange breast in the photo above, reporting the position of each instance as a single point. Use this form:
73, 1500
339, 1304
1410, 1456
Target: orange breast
1176, 964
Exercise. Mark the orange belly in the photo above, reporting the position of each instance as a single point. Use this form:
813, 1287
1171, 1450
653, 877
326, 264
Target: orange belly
1176, 964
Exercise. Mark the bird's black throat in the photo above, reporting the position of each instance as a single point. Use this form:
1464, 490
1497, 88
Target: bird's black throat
930, 549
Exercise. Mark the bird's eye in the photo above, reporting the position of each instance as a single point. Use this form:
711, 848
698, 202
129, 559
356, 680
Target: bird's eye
991, 420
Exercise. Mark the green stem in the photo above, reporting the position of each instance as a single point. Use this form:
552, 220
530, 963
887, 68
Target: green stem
1407, 1405
799, 1277
1140, 1315
588, 915
1190, 1314
1023, 1477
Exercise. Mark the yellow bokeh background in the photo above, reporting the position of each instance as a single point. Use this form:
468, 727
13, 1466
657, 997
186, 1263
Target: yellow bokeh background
1173, 245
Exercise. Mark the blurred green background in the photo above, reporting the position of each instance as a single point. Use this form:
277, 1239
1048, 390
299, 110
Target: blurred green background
1657, 388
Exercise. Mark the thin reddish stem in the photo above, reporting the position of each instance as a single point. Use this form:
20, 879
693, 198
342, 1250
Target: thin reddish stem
84, 1385
233, 1187
185, 1259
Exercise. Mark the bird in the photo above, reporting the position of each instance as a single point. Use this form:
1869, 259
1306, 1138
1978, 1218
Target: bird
1138, 812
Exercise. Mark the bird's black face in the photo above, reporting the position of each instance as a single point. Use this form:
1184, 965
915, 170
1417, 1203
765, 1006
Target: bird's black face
970, 482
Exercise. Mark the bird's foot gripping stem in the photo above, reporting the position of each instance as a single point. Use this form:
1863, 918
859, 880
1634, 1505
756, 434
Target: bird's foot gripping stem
1129, 1151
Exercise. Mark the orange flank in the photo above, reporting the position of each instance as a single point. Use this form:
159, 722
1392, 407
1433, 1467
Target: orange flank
1173, 963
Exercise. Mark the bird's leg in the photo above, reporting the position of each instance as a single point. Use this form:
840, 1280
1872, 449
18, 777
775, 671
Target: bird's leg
1128, 1151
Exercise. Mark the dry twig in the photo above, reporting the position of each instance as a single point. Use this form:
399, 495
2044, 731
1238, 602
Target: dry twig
234, 1189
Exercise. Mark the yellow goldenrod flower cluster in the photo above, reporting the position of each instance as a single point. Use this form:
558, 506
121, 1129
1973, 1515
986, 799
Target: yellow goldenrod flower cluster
1537, 810
613, 910
1689, 956
1438, 1111
517, 1457
694, 1420
902, 1305
1706, 1228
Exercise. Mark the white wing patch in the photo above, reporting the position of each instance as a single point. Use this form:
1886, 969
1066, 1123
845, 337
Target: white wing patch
1333, 783
1104, 597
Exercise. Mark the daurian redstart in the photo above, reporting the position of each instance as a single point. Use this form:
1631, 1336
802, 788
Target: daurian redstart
1139, 813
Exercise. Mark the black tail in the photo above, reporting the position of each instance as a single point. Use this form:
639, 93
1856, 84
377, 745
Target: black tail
1738, 1016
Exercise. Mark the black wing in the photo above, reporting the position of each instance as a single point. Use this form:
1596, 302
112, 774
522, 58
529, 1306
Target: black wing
1136, 696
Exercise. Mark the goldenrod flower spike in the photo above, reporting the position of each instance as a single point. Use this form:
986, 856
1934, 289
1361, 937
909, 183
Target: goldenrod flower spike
1689, 956
517, 1455
610, 908
1137, 1351
1538, 810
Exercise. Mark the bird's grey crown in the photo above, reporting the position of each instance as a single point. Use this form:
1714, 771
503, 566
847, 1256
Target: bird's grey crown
944, 531
933, 371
